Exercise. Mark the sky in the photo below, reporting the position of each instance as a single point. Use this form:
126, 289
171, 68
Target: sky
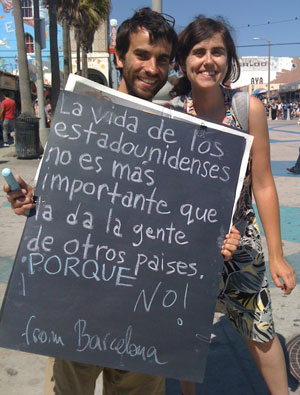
277, 21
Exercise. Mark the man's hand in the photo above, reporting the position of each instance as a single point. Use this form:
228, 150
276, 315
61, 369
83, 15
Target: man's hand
231, 243
281, 269
21, 200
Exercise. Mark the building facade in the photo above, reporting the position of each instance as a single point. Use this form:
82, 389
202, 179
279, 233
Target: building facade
98, 58
8, 42
284, 76
98, 63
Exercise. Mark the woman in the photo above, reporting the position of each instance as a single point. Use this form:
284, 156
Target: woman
208, 59
274, 109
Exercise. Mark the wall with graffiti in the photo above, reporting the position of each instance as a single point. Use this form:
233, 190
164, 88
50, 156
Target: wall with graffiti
8, 43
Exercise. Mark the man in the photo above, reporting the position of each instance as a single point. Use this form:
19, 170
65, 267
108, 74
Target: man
7, 116
144, 52
145, 45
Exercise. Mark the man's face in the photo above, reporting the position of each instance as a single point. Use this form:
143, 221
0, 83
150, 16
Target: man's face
145, 67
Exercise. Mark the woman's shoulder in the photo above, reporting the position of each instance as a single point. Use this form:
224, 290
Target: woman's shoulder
255, 103
257, 115
232, 92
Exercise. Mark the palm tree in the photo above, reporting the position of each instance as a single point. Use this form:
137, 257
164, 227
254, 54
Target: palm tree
66, 13
98, 12
85, 16
24, 80
90, 14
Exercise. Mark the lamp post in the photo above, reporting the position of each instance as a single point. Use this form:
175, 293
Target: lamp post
39, 66
269, 61
112, 50
157, 5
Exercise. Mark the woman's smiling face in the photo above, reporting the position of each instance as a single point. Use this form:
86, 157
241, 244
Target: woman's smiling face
207, 63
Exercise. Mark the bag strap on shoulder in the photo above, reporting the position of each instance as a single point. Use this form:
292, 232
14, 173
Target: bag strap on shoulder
240, 107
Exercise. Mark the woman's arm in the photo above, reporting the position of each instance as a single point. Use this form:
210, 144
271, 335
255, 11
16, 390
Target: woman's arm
266, 198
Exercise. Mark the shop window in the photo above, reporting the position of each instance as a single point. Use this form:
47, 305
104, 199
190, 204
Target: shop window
29, 43
27, 8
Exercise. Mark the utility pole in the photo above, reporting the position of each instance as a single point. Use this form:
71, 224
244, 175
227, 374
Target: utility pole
112, 50
157, 5
39, 65
269, 62
269, 67
26, 103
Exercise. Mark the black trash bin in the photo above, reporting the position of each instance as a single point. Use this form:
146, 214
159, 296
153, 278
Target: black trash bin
27, 136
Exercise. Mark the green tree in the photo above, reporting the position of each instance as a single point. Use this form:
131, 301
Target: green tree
24, 80
90, 13
66, 14
85, 17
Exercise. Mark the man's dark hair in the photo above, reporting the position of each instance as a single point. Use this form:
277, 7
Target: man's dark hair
153, 22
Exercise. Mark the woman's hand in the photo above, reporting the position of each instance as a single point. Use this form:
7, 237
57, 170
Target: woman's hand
281, 269
21, 200
231, 243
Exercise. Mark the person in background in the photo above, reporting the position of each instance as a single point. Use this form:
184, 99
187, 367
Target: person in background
1, 131
267, 107
285, 110
293, 107
7, 117
208, 59
274, 110
298, 111
48, 112
36, 107
296, 168
279, 111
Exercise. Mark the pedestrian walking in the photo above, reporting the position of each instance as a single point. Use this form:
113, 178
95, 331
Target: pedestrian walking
7, 117
274, 109
296, 168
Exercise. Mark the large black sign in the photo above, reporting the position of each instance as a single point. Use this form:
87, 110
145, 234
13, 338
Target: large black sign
120, 264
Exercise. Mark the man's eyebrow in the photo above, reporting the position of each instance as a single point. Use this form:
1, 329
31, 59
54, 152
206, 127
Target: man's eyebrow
164, 56
142, 50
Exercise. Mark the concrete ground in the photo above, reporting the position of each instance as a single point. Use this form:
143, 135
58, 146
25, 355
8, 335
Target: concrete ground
230, 369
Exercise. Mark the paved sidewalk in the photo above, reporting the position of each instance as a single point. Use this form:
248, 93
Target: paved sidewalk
230, 369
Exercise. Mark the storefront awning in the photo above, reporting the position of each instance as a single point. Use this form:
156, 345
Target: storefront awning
8, 81
290, 87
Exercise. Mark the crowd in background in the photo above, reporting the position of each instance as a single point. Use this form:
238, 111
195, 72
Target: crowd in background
282, 109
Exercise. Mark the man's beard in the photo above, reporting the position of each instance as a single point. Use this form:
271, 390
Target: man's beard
133, 92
